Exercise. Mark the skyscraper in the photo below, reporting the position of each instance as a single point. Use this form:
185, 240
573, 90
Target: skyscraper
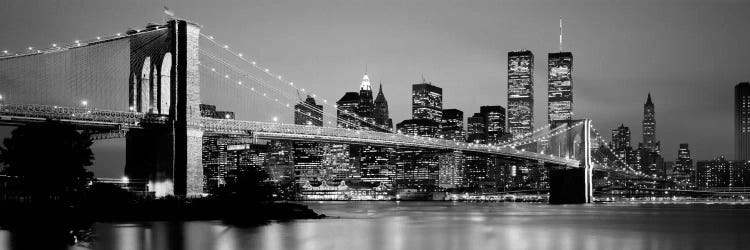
475, 127
713, 173
621, 141
418, 168
366, 106
649, 126
308, 113
560, 88
308, 156
453, 125
742, 121
683, 167
494, 119
520, 92
381, 110
347, 111
427, 101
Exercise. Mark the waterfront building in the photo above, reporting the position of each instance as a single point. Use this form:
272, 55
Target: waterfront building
683, 167
713, 173
417, 168
308, 156
451, 171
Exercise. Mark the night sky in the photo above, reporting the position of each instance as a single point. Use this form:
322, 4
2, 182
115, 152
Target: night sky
687, 54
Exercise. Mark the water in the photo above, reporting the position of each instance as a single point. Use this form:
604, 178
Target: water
445, 225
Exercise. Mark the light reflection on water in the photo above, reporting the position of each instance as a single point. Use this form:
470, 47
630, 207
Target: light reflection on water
442, 225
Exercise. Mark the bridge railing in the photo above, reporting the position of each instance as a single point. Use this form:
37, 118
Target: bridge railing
82, 114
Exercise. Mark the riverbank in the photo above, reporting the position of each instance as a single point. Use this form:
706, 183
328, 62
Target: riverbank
16, 215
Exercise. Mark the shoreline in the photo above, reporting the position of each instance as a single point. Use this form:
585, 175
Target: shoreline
18, 216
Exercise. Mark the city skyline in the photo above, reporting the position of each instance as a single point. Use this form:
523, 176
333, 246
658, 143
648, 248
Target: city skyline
484, 64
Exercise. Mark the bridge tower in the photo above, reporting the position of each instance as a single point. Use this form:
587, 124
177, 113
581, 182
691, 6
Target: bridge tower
165, 83
572, 185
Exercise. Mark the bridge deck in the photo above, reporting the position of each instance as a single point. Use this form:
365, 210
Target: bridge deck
18, 114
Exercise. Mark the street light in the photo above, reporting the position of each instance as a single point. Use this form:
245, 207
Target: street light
84, 103
275, 119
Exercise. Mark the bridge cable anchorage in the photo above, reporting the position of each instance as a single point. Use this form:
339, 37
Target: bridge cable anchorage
279, 78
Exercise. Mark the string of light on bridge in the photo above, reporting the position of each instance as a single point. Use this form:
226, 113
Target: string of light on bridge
282, 79
55, 47
265, 84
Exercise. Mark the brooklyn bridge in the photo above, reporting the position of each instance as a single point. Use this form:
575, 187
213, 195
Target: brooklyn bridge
147, 85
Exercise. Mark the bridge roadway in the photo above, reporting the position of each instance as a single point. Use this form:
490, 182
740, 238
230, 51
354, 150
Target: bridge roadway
15, 114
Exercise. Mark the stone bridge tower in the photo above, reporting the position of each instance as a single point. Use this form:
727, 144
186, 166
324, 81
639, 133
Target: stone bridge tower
165, 83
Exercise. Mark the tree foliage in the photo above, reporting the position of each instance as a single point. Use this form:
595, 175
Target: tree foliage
49, 158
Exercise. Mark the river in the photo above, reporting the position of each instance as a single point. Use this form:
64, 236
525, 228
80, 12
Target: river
447, 225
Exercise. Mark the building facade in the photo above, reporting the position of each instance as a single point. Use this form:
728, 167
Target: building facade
683, 167
427, 101
475, 127
494, 118
520, 92
713, 173
453, 125
560, 86
649, 126
621, 141
742, 121
308, 113
308, 156
380, 113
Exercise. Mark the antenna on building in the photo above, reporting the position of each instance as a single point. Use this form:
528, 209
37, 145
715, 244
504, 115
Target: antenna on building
561, 48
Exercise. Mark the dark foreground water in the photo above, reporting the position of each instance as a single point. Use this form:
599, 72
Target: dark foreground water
445, 225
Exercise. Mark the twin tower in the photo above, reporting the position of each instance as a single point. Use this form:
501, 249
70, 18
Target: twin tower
521, 90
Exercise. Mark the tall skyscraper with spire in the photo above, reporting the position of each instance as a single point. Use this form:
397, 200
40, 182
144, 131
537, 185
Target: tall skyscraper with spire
520, 92
560, 84
365, 109
649, 126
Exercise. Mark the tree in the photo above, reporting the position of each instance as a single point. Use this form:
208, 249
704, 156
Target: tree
49, 158
249, 184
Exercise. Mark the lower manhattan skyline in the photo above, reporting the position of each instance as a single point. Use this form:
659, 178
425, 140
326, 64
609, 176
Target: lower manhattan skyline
622, 52
381, 124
